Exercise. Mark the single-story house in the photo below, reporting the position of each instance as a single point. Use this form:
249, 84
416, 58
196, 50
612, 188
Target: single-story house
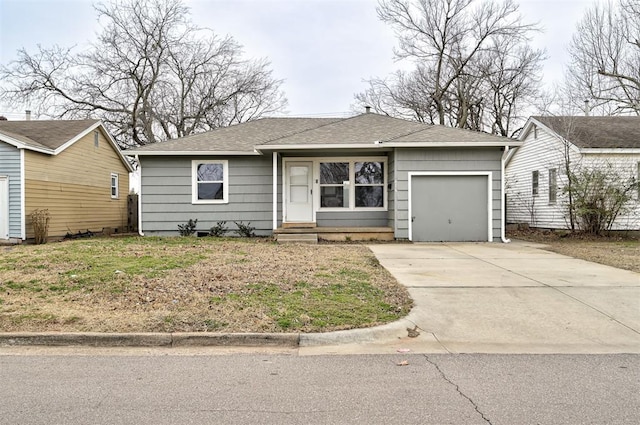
72, 168
536, 171
366, 176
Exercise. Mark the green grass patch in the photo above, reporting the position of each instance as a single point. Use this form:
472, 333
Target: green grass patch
76, 265
187, 284
337, 305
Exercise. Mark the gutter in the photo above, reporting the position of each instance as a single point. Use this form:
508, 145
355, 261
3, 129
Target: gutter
503, 219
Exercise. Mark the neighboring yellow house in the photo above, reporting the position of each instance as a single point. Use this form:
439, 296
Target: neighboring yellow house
74, 169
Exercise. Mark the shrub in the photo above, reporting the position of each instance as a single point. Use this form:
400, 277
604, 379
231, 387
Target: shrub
244, 230
189, 228
40, 220
599, 195
219, 229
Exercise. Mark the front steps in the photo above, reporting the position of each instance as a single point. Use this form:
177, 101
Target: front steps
311, 234
309, 238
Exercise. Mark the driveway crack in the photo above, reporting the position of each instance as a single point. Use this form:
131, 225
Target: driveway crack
453, 384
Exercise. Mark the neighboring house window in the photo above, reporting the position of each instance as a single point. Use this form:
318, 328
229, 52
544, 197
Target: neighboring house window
210, 181
114, 186
353, 184
334, 184
553, 185
369, 184
534, 182
96, 139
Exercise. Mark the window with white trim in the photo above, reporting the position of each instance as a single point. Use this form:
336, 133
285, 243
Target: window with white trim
334, 185
369, 181
210, 182
535, 175
553, 185
353, 184
114, 186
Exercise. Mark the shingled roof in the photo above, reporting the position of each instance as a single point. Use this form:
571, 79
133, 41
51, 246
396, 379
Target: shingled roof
237, 138
612, 132
47, 135
288, 133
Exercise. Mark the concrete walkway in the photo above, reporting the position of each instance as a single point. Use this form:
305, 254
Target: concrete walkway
501, 298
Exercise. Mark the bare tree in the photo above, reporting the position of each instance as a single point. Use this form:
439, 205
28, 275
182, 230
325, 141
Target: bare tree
151, 75
510, 73
605, 57
472, 66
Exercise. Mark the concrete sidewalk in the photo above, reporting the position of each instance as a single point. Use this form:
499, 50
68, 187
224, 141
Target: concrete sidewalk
511, 298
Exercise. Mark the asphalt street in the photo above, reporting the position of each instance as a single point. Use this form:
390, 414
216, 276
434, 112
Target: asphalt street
205, 387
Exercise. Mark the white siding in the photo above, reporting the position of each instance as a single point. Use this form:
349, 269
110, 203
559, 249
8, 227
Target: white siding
541, 154
627, 167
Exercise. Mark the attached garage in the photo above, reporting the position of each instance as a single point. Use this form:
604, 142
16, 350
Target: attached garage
450, 207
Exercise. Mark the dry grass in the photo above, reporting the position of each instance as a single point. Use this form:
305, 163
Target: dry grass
615, 251
189, 284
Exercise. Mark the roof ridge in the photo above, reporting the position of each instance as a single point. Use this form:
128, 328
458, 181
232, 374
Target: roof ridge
293, 133
427, 127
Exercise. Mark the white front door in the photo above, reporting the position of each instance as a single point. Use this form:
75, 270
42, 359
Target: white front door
4, 207
298, 196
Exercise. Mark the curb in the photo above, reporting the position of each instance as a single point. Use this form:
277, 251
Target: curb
390, 331
95, 339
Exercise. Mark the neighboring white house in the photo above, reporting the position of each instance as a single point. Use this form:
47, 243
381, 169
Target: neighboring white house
535, 171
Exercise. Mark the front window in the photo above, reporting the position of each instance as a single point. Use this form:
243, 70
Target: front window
369, 184
334, 184
210, 182
114, 186
352, 184
534, 182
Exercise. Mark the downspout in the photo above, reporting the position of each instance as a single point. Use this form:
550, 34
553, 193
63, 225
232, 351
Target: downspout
23, 198
503, 217
275, 190
140, 232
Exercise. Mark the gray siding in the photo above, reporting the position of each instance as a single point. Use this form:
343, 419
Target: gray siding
352, 219
166, 195
391, 193
414, 160
10, 166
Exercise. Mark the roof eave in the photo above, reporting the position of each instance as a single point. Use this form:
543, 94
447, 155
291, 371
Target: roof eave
132, 152
496, 144
319, 146
77, 137
20, 145
595, 151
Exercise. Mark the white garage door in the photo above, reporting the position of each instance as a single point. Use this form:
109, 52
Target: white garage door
446, 207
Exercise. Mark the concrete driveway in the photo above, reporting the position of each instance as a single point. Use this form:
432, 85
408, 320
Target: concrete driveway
506, 298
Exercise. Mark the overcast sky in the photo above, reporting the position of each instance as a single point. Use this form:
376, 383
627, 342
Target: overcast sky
323, 49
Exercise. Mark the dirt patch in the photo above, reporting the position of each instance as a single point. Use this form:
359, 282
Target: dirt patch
189, 284
618, 251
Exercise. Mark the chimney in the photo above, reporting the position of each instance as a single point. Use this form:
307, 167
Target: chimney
367, 109
27, 114
587, 109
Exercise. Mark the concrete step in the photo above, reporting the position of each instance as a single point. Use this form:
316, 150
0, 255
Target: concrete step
305, 225
310, 238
